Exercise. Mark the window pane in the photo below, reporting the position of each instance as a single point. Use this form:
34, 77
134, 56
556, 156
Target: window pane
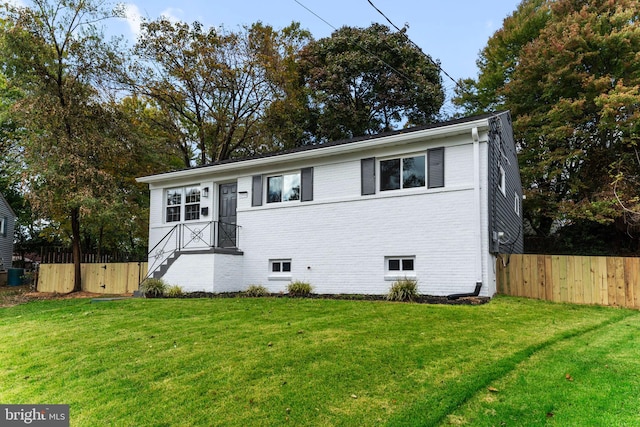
291, 189
390, 174
394, 265
274, 189
413, 172
173, 213
192, 212
174, 197
275, 267
286, 266
192, 195
407, 265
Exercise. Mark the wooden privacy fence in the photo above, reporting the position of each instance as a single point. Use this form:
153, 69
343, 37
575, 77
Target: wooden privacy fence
113, 278
612, 281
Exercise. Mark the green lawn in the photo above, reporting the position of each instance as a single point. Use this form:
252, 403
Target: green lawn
277, 361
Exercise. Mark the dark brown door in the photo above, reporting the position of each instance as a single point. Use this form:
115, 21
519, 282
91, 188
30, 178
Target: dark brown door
227, 216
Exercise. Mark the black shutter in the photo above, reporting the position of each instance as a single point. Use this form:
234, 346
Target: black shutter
306, 182
436, 167
368, 175
256, 191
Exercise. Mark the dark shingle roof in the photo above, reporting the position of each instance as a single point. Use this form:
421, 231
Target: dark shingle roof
349, 141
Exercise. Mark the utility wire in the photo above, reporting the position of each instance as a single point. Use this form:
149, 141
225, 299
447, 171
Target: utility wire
450, 109
415, 45
395, 70
316, 15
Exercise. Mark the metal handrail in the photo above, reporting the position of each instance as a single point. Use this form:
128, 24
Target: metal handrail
183, 230
161, 240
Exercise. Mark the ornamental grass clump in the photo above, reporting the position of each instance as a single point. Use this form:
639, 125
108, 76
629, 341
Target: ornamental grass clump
403, 290
153, 288
299, 289
256, 291
174, 291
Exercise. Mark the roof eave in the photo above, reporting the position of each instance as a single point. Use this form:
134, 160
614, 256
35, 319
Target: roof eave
320, 151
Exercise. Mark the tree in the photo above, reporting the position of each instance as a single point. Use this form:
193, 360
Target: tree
363, 81
213, 87
498, 60
57, 55
569, 73
121, 224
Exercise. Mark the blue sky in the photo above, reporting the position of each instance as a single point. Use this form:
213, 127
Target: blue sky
451, 31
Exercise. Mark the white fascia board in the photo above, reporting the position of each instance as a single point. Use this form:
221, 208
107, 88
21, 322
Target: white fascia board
335, 150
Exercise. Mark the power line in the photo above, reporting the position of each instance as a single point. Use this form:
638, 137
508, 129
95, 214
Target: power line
316, 15
414, 44
450, 109
391, 67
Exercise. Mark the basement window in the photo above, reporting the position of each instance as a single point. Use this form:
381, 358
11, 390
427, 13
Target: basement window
280, 269
397, 268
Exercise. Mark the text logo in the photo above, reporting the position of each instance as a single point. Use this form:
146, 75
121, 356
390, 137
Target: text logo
34, 415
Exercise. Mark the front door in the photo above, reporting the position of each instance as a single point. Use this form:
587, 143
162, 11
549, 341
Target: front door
227, 216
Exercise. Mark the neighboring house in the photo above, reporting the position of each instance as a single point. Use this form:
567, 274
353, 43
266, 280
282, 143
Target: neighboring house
7, 223
435, 203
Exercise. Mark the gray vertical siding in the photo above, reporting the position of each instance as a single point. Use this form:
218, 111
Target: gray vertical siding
6, 241
502, 215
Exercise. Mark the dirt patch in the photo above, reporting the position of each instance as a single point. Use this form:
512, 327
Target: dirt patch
14, 295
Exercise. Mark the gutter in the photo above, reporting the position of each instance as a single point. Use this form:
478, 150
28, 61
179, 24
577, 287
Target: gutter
477, 206
320, 151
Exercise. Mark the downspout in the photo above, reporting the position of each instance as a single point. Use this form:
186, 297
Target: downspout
477, 219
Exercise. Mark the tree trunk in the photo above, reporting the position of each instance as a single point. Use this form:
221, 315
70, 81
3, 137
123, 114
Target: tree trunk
77, 254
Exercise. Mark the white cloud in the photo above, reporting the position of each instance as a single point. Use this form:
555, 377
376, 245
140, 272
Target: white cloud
172, 14
133, 18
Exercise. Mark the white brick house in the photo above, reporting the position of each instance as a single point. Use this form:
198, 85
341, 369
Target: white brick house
434, 203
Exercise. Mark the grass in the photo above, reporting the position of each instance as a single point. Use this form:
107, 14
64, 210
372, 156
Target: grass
279, 361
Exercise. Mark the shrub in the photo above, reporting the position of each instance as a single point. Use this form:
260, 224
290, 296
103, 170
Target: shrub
299, 289
153, 288
256, 291
174, 291
403, 290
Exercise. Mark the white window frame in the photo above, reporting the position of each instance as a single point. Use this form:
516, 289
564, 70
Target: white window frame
502, 181
516, 203
184, 193
284, 176
401, 160
283, 266
3, 226
403, 271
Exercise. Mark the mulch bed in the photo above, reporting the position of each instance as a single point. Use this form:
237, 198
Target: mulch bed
422, 299
14, 295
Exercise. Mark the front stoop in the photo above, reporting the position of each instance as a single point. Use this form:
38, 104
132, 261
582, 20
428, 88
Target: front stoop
164, 267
